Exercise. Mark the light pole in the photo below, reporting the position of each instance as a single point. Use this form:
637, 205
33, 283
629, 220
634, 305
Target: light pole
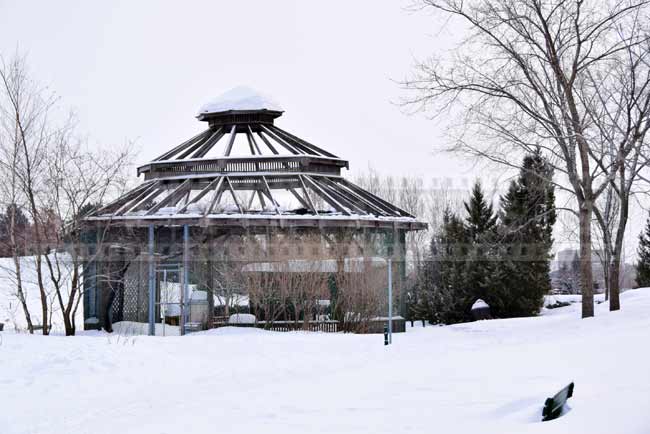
390, 301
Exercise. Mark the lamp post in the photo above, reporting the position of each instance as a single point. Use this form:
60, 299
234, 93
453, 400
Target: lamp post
390, 301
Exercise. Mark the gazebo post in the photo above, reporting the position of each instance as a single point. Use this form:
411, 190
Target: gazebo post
401, 271
152, 285
185, 295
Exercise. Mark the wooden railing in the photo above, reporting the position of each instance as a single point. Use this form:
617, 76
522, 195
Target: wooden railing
287, 326
243, 165
372, 326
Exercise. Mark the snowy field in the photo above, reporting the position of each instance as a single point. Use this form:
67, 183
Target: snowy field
485, 377
11, 312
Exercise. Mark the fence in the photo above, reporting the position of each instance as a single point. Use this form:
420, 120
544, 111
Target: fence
374, 326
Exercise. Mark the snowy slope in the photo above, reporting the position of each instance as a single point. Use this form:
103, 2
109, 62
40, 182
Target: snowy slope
487, 377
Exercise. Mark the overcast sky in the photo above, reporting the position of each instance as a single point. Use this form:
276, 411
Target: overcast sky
139, 70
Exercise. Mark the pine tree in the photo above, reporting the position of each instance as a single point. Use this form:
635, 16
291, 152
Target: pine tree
526, 236
442, 298
480, 214
643, 264
481, 229
21, 225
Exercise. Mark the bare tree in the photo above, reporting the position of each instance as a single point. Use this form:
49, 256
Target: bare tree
523, 81
362, 294
77, 180
620, 113
225, 257
16, 235
307, 279
25, 110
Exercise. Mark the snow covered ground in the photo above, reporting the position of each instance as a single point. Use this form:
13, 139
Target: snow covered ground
11, 311
487, 377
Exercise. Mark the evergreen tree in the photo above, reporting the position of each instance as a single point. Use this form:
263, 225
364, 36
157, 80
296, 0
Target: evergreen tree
21, 227
442, 298
480, 219
86, 209
505, 264
525, 237
480, 226
643, 264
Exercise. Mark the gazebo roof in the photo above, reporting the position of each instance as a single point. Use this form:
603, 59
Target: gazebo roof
243, 170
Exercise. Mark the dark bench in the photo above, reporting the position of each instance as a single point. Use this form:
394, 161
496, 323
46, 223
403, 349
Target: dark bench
553, 406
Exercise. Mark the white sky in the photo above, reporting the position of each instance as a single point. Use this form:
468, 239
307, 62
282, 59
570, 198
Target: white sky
140, 70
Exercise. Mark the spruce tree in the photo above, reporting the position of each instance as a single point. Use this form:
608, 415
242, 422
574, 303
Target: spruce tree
643, 264
480, 227
480, 219
441, 289
526, 237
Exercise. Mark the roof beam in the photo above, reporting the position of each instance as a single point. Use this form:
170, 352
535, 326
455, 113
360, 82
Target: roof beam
268, 192
201, 194
291, 141
304, 190
150, 196
234, 196
171, 198
265, 140
209, 144
378, 200
300, 199
280, 141
233, 133
305, 143
128, 197
182, 146
262, 201
250, 200
252, 138
375, 207
215, 198
329, 199
192, 148
341, 197
250, 143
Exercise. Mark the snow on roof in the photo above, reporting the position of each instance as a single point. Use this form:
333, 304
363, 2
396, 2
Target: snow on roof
480, 304
240, 98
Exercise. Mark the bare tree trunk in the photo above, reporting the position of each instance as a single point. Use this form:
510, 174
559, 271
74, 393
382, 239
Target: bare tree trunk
615, 265
19, 290
586, 281
17, 266
39, 262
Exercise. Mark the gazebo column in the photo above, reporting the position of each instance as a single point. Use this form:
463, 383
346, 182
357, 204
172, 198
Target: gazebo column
152, 284
185, 292
401, 270
210, 283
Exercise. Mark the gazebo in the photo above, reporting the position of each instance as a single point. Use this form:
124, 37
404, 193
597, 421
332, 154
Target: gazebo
242, 176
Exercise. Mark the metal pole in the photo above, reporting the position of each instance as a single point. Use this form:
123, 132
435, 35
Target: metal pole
152, 285
163, 307
390, 301
185, 291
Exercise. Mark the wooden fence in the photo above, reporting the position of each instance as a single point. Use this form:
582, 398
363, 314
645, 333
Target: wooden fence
374, 326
